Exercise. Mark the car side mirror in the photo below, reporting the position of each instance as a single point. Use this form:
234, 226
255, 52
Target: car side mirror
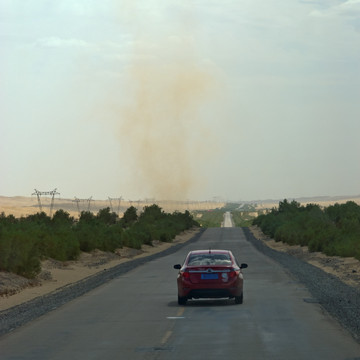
243, 266
177, 266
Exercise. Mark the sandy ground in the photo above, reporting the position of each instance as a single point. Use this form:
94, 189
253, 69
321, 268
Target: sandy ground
15, 289
346, 269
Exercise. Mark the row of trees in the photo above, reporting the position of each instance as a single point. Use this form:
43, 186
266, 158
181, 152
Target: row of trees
210, 218
334, 230
25, 241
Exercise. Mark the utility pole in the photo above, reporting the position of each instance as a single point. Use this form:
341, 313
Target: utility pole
40, 193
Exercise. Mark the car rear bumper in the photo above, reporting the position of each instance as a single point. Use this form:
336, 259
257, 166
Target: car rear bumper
212, 293
189, 290
198, 293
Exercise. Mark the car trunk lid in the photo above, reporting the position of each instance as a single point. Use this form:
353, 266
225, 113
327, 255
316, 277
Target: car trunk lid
209, 274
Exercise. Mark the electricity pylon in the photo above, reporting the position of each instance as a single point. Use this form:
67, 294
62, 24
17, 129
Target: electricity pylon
77, 204
40, 193
83, 200
111, 205
89, 200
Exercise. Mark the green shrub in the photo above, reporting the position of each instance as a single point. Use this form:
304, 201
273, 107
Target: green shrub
211, 218
130, 240
87, 236
130, 217
18, 254
107, 217
333, 231
26, 241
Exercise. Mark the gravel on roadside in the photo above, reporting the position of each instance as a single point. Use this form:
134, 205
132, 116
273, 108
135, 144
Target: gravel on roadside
339, 299
19, 315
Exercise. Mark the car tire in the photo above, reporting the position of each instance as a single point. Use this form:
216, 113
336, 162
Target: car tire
239, 299
182, 300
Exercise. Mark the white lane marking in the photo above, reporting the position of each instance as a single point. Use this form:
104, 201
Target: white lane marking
175, 317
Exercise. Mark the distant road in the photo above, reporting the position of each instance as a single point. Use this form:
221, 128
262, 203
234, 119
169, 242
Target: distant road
136, 316
227, 220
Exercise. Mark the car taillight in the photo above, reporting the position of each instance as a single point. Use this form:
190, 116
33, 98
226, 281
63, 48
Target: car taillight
185, 274
233, 273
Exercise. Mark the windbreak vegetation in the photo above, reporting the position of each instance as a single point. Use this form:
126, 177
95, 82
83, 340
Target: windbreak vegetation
24, 242
210, 218
242, 218
335, 230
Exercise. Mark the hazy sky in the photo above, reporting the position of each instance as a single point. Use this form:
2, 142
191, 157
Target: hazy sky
180, 99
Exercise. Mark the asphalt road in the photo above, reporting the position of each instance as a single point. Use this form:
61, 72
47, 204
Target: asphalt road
227, 219
136, 316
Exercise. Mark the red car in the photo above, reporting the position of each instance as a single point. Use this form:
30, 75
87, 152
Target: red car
210, 274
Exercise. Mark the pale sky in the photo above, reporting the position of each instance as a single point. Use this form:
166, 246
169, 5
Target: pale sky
180, 99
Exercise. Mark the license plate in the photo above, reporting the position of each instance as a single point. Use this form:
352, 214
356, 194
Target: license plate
209, 276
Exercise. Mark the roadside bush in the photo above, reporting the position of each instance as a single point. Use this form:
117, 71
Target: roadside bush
269, 223
62, 218
62, 245
87, 236
151, 214
288, 233
26, 241
130, 217
143, 233
106, 217
111, 238
333, 231
87, 217
130, 240
211, 218
18, 254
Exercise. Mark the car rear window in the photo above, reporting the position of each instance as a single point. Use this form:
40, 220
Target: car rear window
209, 259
